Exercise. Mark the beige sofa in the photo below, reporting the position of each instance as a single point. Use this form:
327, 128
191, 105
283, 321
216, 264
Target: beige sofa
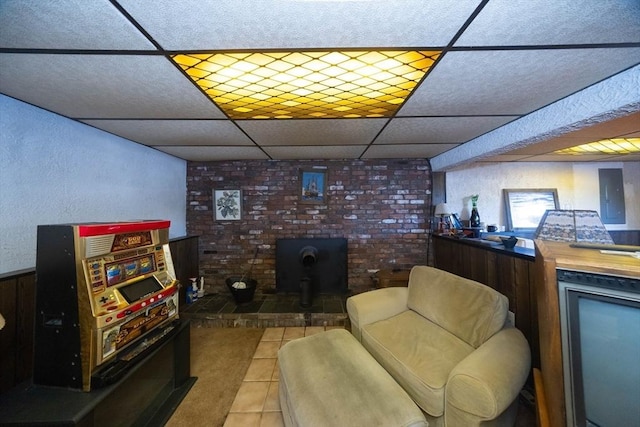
446, 341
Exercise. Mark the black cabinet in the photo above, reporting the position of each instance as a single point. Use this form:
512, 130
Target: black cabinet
147, 395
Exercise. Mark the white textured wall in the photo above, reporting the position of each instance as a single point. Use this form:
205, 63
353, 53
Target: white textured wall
577, 184
55, 170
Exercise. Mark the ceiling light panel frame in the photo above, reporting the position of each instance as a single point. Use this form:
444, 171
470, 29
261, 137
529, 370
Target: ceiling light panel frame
604, 147
308, 84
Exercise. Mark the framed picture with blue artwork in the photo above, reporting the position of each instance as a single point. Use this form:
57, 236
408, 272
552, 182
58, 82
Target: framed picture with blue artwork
313, 186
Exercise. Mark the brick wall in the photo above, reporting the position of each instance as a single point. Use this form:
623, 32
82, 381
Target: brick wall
380, 206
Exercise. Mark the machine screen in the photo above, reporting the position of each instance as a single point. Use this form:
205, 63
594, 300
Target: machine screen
135, 291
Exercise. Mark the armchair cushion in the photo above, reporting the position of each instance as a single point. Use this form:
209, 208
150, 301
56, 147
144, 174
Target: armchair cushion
470, 310
420, 359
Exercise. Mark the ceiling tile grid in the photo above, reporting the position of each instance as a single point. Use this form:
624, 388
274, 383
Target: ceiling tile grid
108, 63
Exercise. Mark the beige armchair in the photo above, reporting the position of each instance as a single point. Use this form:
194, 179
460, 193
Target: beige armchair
444, 339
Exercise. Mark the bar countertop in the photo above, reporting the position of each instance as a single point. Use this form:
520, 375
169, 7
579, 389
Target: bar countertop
491, 245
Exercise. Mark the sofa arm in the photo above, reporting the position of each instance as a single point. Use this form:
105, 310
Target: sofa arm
487, 381
379, 304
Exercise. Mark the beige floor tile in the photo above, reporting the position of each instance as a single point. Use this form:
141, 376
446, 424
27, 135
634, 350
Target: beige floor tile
243, 420
260, 370
294, 332
272, 403
267, 349
250, 397
276, 372
272, 419
312, 330
273, 334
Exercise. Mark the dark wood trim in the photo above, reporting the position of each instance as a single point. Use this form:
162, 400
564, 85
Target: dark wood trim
625, 237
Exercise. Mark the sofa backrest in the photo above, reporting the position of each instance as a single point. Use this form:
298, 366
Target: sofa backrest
470, 310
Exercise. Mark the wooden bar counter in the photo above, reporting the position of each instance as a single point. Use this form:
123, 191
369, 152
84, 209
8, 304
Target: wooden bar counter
550, 256
509, 271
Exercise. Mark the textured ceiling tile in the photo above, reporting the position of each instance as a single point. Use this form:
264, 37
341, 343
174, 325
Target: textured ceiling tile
232, 24
473, 83
438, 129
537, 22
512, 82
69, 24
175, 132
324, 152
214, 153
112, 86
313, 132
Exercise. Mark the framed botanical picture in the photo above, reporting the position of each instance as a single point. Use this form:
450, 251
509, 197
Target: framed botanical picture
313, 186
227, 205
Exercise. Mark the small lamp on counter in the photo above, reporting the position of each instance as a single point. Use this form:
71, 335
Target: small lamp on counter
443, 211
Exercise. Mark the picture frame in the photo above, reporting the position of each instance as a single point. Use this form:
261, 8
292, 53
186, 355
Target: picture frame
313, 186
227, 205
525, 207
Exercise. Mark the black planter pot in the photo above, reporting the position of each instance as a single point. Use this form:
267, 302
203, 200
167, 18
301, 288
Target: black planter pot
242, 296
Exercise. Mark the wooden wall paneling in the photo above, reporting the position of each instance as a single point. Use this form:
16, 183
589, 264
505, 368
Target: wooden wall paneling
445, 256
467, 262
480, 264
25, 308
186, 261
505, 280
525, 306
521, 295
534, 338
8, 295
625, 237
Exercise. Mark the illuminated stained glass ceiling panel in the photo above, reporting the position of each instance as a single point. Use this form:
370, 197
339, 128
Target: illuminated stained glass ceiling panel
313, 84
605, 146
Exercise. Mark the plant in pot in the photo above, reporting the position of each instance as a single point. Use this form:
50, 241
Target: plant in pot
243, 287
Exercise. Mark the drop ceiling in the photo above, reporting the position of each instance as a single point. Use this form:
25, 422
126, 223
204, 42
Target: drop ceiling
506, 67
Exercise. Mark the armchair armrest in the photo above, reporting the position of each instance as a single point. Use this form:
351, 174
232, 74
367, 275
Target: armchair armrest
487, 381
379, 304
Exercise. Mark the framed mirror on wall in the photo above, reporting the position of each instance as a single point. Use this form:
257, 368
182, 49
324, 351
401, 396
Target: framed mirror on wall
526, 206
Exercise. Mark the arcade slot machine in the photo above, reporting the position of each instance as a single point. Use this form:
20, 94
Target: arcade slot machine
106, 295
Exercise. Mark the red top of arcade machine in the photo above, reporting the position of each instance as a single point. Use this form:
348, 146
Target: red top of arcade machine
99, 229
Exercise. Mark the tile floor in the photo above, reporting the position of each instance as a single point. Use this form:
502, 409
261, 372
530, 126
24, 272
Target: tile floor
257, 403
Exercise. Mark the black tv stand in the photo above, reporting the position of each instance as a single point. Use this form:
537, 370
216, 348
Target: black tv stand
147, 395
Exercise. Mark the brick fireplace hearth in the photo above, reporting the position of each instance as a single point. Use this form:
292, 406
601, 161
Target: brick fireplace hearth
266, 310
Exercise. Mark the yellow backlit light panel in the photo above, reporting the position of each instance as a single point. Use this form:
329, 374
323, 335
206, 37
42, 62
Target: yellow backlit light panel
323, 84
606, 146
